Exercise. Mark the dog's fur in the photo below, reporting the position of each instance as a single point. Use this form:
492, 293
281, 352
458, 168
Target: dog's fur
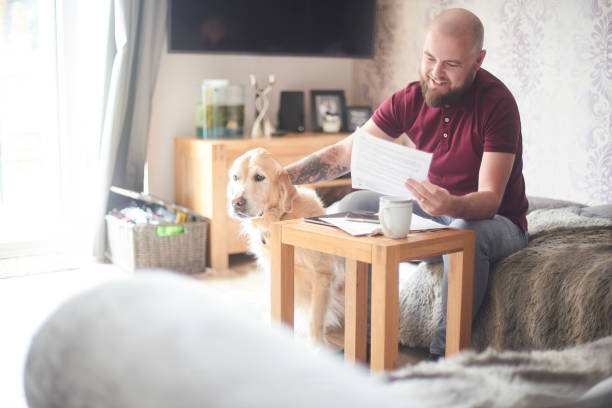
259, 193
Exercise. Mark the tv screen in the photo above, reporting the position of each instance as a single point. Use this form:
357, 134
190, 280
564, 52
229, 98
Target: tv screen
334, 28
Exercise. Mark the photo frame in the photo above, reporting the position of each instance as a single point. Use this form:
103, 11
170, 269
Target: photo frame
322, 101
356, 116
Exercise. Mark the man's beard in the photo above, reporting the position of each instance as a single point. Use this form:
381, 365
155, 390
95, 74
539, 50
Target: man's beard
449, 98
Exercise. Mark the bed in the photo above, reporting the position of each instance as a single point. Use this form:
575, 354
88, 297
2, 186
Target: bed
553, 294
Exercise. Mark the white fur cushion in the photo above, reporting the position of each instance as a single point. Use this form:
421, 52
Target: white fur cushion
160, 340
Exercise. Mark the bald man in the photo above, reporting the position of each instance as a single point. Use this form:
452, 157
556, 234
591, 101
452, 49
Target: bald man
469, 120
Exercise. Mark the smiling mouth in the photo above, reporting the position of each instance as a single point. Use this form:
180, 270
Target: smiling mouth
436, 82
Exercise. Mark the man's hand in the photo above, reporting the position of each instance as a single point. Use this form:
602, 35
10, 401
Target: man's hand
433, 199
484, 203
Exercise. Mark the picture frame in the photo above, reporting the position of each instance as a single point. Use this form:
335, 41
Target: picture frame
322, 101
356, 116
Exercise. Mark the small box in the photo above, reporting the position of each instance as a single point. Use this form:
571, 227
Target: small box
179, 246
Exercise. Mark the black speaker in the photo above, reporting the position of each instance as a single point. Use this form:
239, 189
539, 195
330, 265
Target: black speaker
291, 111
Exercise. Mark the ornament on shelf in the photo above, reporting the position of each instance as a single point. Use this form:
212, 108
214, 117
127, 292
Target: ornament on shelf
262, 125
331, 122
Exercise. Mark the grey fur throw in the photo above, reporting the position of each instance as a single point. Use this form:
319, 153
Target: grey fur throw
579, 376
555, 293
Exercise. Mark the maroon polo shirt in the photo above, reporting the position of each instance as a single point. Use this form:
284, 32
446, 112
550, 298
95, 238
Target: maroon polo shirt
485, 120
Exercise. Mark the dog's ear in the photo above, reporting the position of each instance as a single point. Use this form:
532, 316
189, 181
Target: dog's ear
287, 192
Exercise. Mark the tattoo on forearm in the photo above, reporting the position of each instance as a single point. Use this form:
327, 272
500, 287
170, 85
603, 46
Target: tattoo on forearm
313, 169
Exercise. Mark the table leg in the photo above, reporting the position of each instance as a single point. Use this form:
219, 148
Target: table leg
281, 257
460, 298
385, 308
356, 310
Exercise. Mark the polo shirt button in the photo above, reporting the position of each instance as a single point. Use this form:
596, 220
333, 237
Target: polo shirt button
445, 135
446, 120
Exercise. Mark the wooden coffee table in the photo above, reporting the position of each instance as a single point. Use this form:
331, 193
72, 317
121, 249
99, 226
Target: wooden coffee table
385, 255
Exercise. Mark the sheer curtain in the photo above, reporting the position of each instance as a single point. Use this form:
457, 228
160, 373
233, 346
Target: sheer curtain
108, 55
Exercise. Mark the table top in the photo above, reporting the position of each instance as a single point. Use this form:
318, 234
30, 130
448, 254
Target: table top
333, 240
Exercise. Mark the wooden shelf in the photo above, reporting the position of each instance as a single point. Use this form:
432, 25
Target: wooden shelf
331, 183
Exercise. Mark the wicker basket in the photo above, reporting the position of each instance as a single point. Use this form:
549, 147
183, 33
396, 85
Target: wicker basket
141, 246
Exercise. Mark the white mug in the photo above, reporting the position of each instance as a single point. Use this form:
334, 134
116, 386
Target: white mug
395, 214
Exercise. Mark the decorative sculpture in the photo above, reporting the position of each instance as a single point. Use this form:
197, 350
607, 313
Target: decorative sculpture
262, 125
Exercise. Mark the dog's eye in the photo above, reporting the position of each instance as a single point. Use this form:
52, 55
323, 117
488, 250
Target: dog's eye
235, 177
259, 177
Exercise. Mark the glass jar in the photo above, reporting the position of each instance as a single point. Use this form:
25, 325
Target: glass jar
213, 101
233, 126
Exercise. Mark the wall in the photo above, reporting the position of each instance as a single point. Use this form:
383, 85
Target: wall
554, 55
178, 82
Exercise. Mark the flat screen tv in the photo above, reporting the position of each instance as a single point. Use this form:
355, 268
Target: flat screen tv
333, 28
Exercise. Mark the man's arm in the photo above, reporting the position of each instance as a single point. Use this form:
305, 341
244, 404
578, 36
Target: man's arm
493, 177
330, 162
326, 164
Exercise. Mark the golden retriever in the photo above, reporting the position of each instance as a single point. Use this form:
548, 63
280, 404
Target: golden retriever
259, 193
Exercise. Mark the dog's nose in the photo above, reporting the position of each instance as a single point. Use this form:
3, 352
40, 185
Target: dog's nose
238, 203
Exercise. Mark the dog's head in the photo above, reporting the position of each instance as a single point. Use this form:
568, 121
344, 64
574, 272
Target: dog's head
258, 183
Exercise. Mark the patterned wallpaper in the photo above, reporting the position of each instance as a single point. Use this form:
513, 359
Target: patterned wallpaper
556, 58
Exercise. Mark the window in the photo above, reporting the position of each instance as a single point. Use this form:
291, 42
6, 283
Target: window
29, 147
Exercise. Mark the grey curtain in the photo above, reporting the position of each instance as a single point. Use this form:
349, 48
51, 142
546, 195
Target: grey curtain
137, 29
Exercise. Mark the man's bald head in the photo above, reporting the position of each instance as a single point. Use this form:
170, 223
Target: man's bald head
458, 22
452, 55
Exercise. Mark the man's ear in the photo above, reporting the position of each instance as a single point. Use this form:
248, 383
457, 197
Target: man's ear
480, 58
287, 192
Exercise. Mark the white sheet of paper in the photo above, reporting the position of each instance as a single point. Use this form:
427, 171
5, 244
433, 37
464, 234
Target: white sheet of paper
356, 229
352, 227
384, 167
418, 223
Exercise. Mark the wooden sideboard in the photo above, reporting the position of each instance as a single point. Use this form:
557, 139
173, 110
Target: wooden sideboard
201, 174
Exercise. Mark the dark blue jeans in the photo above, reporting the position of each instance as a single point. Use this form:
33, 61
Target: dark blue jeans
496, 238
